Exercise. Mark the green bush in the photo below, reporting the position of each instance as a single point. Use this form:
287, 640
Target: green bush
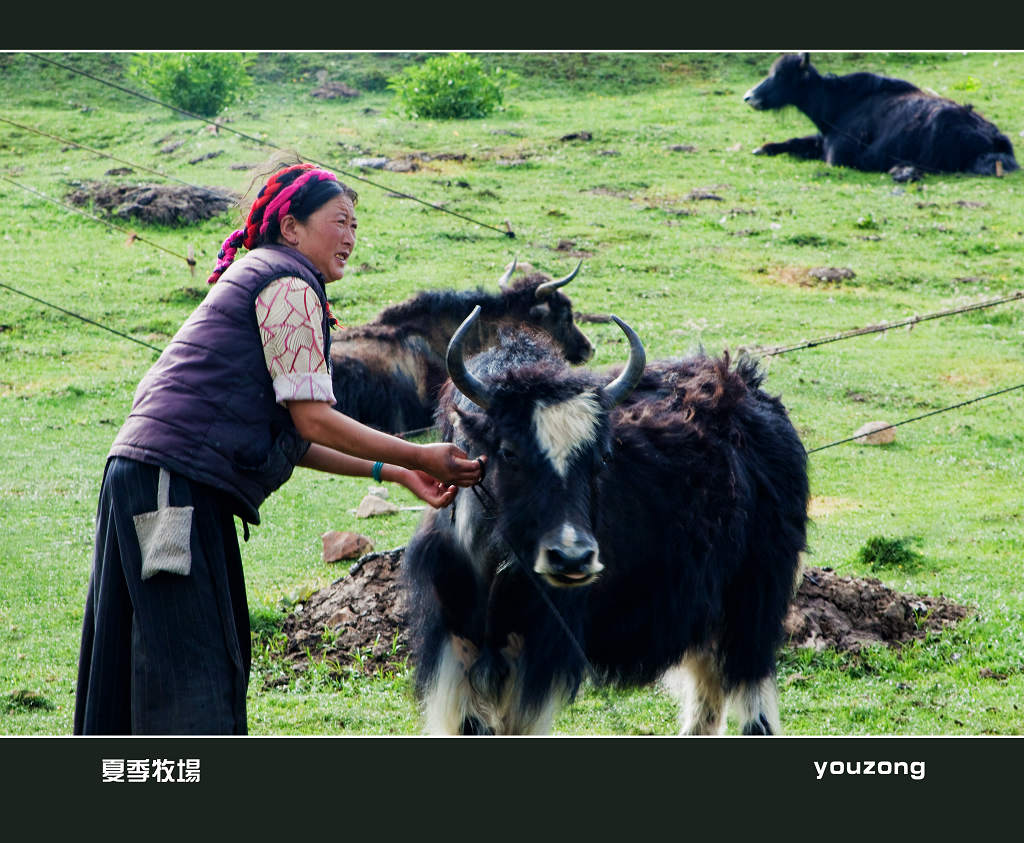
200, 83
449, 87
879, 552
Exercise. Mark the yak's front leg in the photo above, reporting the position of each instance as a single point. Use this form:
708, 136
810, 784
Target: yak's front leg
516, 715
805, 147
696, 685
448, 704
756, 705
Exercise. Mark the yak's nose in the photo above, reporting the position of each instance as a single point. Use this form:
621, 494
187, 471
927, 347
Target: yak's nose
583, 353
569, 557
751, 98
571, 561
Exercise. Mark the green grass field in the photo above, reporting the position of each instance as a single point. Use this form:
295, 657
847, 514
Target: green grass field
724, 272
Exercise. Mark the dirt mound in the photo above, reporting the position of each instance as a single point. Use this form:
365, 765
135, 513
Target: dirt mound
847, 613
362, 613
154, 203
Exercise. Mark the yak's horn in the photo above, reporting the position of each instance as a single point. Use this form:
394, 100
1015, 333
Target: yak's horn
620, 388
467, 383
508, 274
548, 287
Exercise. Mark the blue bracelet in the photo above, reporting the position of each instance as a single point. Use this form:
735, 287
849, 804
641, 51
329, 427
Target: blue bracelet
377, 466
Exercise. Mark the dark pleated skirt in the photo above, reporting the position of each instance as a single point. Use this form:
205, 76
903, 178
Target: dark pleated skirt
168, 655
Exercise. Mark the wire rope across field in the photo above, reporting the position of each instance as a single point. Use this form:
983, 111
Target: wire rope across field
763, 351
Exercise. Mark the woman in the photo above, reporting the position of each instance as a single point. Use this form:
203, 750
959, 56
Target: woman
240, 396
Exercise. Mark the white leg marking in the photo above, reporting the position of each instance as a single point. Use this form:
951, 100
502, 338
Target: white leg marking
697, 687
447, 702
753, 700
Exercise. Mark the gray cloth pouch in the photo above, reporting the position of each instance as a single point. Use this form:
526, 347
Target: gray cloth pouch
164, 535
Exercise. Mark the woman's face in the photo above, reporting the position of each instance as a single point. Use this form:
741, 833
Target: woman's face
327, 237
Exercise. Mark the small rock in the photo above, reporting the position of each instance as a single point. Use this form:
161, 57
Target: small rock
681, 147
369, 163
831, 273
372, 505
343, 545
876, 433
577, 136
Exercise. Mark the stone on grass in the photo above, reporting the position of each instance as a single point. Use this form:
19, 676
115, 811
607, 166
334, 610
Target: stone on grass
373, 505
832, 273
340, 545
876, 433
369, 163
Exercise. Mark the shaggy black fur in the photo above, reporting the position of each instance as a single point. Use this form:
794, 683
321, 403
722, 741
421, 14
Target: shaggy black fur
695, 488
876, 123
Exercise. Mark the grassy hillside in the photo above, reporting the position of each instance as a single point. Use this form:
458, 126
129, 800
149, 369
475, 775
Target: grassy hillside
684, 234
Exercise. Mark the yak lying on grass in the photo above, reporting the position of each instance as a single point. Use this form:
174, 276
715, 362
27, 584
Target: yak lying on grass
647, 528
876, 123
387, 373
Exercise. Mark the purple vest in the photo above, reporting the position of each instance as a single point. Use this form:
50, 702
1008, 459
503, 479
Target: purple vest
206, 409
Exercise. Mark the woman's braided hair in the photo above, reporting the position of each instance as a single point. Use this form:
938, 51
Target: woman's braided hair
299, 190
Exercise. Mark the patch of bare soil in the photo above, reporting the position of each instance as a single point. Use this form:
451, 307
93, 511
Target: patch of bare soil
363, 614
154, 203
847, 613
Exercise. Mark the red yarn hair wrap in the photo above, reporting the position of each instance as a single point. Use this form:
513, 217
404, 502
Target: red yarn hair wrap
272, 202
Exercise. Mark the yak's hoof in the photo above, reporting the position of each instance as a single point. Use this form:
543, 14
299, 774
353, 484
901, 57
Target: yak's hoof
758, 727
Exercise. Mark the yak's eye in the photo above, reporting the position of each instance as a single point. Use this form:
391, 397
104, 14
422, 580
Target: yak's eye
507, 455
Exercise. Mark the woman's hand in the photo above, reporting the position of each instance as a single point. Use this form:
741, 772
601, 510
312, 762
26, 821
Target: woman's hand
450, 464
428, 488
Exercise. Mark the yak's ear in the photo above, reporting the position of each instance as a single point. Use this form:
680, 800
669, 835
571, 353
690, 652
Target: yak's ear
472, 425
805, 60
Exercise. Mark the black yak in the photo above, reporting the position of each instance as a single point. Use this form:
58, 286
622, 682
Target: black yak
387, 373
876, 123
647, 528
